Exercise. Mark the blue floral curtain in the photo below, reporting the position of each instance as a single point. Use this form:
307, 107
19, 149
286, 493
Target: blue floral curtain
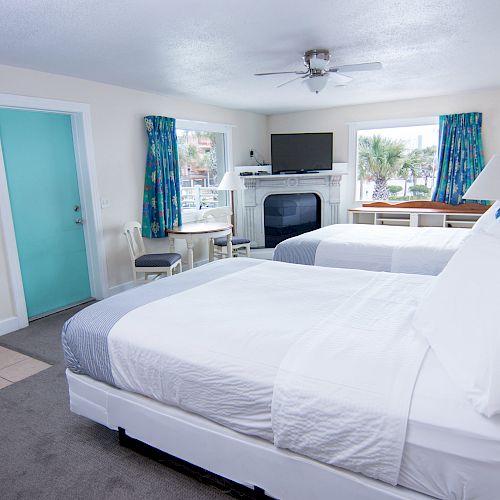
161, 208
460, 156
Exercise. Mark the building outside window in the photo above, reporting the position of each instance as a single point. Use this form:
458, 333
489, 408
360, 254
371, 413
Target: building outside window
203, 162
396, 163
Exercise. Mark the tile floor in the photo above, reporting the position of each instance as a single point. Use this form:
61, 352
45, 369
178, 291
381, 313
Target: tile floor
15, 366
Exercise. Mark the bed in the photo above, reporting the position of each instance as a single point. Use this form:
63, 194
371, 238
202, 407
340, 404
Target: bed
231, 381
414, 250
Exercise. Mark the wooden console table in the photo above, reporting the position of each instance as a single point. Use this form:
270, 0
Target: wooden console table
417, 214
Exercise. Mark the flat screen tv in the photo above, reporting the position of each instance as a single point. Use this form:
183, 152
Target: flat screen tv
301, 152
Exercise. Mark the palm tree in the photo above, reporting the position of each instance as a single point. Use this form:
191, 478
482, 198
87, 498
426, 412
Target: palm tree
419, 163
428, 167
379, 160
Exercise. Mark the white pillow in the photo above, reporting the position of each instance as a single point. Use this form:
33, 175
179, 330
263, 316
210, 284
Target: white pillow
487, 218
492, 229
460, 318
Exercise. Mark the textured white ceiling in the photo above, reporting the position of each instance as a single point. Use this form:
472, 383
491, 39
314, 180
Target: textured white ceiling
208, 50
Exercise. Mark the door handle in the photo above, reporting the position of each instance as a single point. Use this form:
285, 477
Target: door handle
79, 220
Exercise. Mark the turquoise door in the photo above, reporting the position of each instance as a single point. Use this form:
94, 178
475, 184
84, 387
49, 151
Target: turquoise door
40, 165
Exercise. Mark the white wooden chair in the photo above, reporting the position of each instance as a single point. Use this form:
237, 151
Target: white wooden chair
219, 245
153, 264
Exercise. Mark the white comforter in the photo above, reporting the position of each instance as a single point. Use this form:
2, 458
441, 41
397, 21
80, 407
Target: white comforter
343, 391
222, 348
415, 250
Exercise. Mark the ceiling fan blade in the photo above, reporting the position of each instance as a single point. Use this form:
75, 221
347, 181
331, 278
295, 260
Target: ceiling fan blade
348, 68
339, 79
282, 73
292, 80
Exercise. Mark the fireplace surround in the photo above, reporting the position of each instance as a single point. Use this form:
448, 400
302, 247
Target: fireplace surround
250, 214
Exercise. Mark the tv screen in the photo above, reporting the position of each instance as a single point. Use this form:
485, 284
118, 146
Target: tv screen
301, 152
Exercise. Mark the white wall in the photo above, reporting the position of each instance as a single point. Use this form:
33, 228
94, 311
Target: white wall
120, 140
338, 119
120, 147
6, 306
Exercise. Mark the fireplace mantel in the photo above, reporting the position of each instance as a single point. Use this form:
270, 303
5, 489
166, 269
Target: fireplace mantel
251, 200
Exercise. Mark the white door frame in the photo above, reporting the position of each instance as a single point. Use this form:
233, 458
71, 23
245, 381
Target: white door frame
89, 199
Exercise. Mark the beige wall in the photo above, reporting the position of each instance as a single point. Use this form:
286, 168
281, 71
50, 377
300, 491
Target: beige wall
338, 119
120, 148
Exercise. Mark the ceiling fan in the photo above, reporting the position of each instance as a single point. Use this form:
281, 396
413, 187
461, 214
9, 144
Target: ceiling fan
318, 72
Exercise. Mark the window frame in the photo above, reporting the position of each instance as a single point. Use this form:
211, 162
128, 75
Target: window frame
356, 127
194, 214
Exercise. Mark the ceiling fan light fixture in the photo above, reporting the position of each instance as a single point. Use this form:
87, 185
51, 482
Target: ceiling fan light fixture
317, 83
318, 71
317, 59
317, 63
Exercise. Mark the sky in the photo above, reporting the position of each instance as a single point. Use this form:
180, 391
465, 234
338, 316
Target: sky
429, 134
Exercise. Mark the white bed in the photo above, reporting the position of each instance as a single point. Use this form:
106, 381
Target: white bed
451, 452
396, 249
414, 250
223, 377
250, 461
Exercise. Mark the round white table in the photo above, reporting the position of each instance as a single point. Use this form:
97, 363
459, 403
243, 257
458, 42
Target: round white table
201, 230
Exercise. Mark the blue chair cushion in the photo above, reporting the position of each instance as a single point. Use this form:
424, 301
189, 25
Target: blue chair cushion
157, 260
222, 242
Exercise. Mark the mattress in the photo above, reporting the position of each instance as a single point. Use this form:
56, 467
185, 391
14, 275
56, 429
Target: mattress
226, 377
413, 250
450, 450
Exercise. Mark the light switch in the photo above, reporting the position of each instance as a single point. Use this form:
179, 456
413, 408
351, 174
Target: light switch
105, 203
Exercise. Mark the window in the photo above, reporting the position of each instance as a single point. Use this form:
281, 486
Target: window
203, 161
396, 162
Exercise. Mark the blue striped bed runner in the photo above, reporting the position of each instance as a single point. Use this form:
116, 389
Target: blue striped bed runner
85, 335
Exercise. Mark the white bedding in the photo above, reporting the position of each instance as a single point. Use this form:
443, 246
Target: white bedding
215, 349
249, 347
227, 373
413, 250
350, 379
451, 450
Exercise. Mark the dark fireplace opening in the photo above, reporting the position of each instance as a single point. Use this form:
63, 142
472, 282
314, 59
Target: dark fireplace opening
287, 215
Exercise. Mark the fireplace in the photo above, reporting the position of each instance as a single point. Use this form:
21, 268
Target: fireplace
322, 198
288, 215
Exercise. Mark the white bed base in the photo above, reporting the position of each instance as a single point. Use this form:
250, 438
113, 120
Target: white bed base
246, 460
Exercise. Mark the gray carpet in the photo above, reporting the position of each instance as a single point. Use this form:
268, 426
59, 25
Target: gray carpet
46, 452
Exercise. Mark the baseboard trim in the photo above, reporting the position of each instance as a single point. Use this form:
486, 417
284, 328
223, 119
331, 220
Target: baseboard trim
122, 287
9, 325
197, 263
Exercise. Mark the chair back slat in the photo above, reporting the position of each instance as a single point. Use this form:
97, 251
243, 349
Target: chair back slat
132, 232
220, 214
